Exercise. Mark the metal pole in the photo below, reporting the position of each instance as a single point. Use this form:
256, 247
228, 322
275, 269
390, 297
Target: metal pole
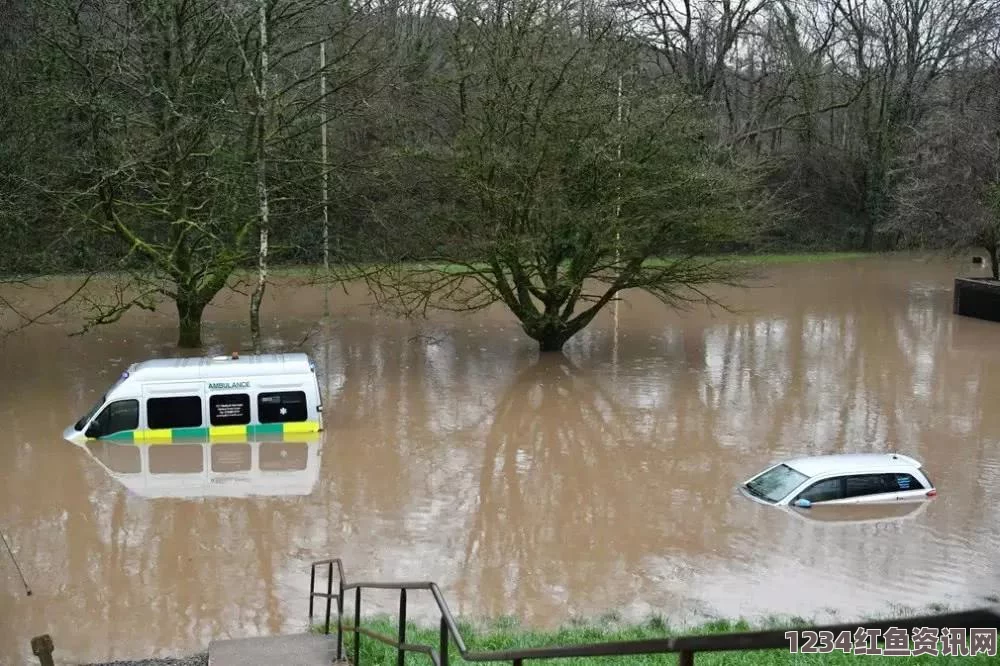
324, 153
329, 593
13, 559
618, 212
444, 642
357, 626
340, 620
400, 654
312, 588
618, 206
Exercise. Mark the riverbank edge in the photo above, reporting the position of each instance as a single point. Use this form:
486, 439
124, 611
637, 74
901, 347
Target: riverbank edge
507, 633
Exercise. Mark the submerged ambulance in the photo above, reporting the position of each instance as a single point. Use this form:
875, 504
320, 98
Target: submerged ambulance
235, 397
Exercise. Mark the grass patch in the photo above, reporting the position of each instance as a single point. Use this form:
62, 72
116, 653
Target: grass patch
776, 259
810, 258
507, 634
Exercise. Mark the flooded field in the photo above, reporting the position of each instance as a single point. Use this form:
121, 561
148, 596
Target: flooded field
542, 488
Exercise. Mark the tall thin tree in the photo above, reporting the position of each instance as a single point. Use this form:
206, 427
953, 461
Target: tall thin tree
262, 201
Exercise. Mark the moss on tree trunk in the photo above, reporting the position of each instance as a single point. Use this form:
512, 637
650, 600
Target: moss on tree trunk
189, 314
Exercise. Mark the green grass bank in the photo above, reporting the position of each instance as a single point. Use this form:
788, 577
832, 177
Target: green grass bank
750, 259
280, 271
506, 634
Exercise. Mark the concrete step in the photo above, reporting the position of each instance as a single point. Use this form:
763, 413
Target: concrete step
292, 650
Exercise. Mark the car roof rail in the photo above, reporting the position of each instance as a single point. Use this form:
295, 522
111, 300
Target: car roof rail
900, 456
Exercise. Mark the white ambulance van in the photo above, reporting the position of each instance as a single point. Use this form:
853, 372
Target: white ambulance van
232, 397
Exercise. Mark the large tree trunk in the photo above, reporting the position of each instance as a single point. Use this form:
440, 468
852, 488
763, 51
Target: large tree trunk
554, 329
994, 252
550, 338
189, 312
551, 342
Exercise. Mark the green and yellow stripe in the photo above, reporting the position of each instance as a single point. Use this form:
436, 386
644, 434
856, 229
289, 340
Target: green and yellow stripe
232, 432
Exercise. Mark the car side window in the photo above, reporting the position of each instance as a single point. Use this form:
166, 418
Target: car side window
903, 482
860, 485
119, 416
824, 491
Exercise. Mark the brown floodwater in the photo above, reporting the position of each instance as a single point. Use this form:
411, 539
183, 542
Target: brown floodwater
541, 488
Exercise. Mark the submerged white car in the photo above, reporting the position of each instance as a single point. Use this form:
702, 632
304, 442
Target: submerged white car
849, 478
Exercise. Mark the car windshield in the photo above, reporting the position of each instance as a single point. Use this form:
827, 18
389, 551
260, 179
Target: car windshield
89, 415
774, 484
93, 410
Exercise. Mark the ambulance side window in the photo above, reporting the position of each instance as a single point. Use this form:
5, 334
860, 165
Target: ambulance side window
282, 407
119, 416
179, 412
229, 409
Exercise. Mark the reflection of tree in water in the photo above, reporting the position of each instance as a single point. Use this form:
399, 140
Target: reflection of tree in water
570, 496
400, 400
821, 376
872, 374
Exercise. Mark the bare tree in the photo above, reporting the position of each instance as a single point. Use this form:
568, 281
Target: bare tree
287, 109
894, 53
696, 39
951, 194
536, 208
169, 121
156, 152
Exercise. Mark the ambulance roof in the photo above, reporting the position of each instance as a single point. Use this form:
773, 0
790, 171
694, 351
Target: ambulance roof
214, 367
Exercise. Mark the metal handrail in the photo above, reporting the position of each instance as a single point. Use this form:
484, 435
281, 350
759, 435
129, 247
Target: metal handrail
684, 646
